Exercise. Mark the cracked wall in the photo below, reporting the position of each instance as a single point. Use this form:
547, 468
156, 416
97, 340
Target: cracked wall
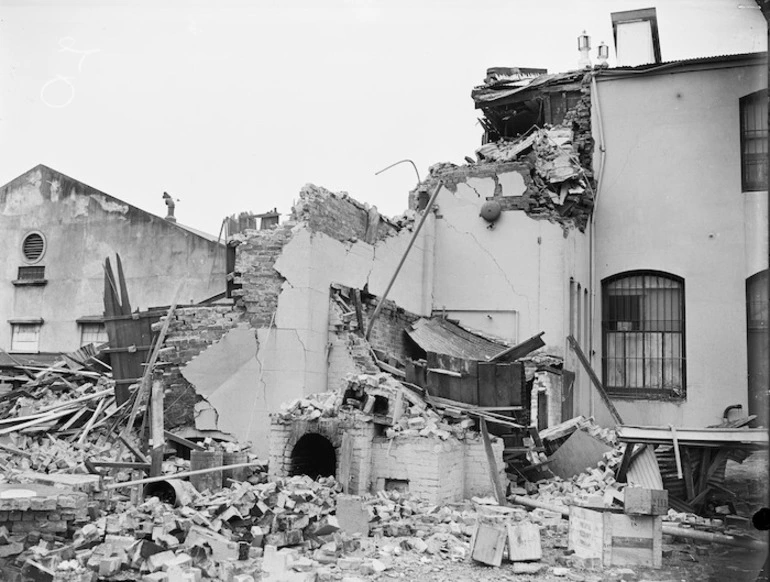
286, 274
515, 276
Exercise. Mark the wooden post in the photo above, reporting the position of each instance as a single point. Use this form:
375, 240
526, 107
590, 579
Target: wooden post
595, 379
157, 438
493, 475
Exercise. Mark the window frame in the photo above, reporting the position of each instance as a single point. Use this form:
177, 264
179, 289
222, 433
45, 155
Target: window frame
16, 326
25, 258
752, 99
83, 324
645, 392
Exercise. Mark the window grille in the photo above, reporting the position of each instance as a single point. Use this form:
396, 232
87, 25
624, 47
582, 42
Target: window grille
643, 335
31, 273
754, 141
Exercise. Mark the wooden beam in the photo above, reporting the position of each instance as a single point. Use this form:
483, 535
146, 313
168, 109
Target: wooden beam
157, 439
595, 379
182, 441
625, 463
493, 476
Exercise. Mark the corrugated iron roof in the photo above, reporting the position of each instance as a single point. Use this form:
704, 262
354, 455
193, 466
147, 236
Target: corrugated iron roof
441, 336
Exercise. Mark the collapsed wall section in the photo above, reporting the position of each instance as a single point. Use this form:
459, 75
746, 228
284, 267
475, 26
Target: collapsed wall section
190, 333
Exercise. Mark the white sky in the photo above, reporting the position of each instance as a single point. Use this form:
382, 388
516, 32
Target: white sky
233, 106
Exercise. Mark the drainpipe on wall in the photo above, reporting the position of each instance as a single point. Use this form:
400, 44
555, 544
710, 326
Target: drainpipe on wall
591, 243
403, 258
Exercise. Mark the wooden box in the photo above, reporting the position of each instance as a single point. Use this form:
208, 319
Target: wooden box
488, 544
616, 539
643, 501
524, 542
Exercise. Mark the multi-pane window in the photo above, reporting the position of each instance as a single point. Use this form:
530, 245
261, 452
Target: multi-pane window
643, 334
93, 333
754, 141
25, 337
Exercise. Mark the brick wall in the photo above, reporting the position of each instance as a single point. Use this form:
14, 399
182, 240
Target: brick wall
255, 259
434, 468
337, 215
549, 385
192, 331
388, 331
476, 466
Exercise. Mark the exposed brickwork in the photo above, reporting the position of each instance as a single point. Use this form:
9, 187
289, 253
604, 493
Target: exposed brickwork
255, 260
388, 331
192, 331
338, 215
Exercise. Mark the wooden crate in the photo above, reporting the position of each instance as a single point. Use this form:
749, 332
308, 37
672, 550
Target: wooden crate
644, 501
524, 542
616, 539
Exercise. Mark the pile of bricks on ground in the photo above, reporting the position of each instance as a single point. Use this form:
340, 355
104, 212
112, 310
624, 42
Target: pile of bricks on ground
295, 528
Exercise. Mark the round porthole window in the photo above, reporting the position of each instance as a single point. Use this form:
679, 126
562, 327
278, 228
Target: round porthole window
33, 247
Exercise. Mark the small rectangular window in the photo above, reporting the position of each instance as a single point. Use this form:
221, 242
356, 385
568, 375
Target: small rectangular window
31, 273
93, 333
25, 337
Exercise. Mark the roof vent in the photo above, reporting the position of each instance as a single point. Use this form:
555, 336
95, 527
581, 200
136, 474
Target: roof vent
636, 37
33, 247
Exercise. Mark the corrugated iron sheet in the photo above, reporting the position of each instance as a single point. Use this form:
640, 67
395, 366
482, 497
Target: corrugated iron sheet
644, 470
442, 336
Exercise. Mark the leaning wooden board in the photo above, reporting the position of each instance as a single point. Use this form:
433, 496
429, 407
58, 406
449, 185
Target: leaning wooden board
615, 538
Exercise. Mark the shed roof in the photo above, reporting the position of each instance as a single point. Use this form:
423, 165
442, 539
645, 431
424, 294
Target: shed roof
442, 336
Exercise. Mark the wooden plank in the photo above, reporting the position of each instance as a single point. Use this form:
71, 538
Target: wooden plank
705, 463
520, 350
595, 379
504, 385
519, 385
345, 460
182, 441
579, 452
157, 438
469, 383
693, 436
589, 533
634, 540
689, 486
487, 378
492, 464
122, 465
488, 544
134, 450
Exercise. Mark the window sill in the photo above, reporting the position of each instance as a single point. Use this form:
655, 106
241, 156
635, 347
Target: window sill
29, 282
653, 395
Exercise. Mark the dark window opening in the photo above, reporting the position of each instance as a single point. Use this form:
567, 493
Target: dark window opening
400, 485
381, 406
643, 335
754, 141
314, 456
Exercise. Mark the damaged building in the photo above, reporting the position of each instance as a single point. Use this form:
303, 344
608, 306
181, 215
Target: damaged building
58, 232
599, 210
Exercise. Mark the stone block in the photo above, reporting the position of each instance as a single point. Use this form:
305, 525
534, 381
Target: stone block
352, 516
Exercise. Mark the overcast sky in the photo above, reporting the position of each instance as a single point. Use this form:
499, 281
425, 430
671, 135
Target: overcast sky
233, 106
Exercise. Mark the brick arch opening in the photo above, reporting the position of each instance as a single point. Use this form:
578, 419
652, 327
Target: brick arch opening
313, 455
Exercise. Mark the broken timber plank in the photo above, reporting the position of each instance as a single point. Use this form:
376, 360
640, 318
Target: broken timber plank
182, 441
157, 438
492, 464
595, 379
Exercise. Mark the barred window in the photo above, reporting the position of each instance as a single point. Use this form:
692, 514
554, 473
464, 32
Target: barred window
754, 141
643, 334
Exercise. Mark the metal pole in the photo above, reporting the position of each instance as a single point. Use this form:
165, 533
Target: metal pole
403, 259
